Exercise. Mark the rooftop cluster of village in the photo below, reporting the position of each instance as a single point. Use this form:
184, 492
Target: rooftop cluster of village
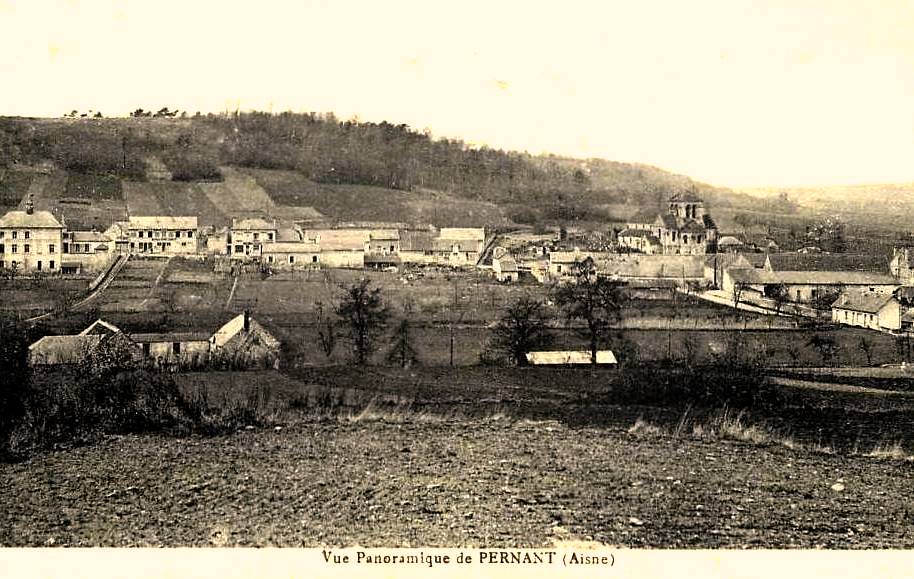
678, 248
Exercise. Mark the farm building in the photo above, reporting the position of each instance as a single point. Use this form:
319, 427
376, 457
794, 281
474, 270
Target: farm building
291, 255
562, 264
99, 337
417, 246
570, 358
504, 266
715, 265
340, 247
825, 262
876, 311
459, 246
806, 286
31, 241
247, 236
163, 235
245, 342
184, 348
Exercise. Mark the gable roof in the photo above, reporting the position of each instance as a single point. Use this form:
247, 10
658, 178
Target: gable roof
685, 197
339, 239
847, 262
834, 278
163, 222
867, 302
235, 326
252, 223
100, 327
89, 236
63, 349
506, 263
34, 220
412, 240
644, 216
462, 233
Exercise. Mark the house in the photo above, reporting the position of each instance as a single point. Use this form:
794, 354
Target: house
340, 247
563, 264
570, 358
86, 250
417, 246
247, 236
685, 228
806, 286
243, 341
641, 240
504, 266
163, 235
73, 349
459, 246
291, 255
866, 309
178, 348
31, 241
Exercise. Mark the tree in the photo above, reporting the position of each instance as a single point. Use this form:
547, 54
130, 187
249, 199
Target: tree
326, 331
738, 288
14, 378
779, 294
866, 346
363, 311
825, 346
594, 300
401, 351
521, 329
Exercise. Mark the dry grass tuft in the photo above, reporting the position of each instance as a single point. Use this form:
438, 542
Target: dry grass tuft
893, 451
643, 427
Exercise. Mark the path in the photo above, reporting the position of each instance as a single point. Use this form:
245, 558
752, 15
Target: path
833, 387
101, 286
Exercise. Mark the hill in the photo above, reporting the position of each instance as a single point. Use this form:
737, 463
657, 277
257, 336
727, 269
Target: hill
227, 164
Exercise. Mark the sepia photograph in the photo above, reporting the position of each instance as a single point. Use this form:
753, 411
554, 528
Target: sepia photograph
464, 287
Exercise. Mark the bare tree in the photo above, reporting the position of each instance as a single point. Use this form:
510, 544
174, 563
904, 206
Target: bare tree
866, 346
401, 351
522, 328
594, 300
738, 288
326, 331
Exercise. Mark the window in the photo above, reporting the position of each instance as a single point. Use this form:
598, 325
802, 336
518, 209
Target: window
291, 259
256, 237
176, 348
146, 350
15, 248
15, 233
269, 259
313, 259
51, 264
270, 236
51, 248
239, 249
190, 234
2, 233
2, 249
27, 234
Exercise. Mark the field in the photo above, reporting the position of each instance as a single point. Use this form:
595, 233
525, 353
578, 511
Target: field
471, 458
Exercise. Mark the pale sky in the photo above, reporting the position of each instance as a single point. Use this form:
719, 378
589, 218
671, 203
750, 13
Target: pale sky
731, 92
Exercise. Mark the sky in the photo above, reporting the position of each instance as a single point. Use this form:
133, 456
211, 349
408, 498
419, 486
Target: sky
735, 93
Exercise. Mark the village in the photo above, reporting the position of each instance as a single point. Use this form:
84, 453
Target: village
658, 254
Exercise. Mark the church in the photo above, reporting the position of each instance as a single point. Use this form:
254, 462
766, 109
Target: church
684, 229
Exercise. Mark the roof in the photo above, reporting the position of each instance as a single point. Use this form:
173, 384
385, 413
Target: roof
339, 239
708, 222
858, 301
34, 220
827, 262
668, 220
163, 222
416, 241
462, 245
692, 226
174, 337
236, 325
89, 236
506, 264
100, 327
386, 234
288, 234
252, 223
835, 278
290, 247
566, 256
569, 357
728, 240
462, 233
685, 197
63, 349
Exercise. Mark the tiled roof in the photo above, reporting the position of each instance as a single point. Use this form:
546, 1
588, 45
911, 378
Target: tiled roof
35, 220
827, 262
857, 301
163, 222
416, 241
836, 278
252, 223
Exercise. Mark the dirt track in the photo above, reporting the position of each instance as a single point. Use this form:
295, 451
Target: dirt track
456, 483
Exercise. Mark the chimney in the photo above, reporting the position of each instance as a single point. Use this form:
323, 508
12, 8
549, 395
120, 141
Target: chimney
247, 321
29, 205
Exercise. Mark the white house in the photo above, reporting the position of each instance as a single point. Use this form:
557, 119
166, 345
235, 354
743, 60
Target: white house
291, 255
31, 241
247, 237
163, 235
866, 309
